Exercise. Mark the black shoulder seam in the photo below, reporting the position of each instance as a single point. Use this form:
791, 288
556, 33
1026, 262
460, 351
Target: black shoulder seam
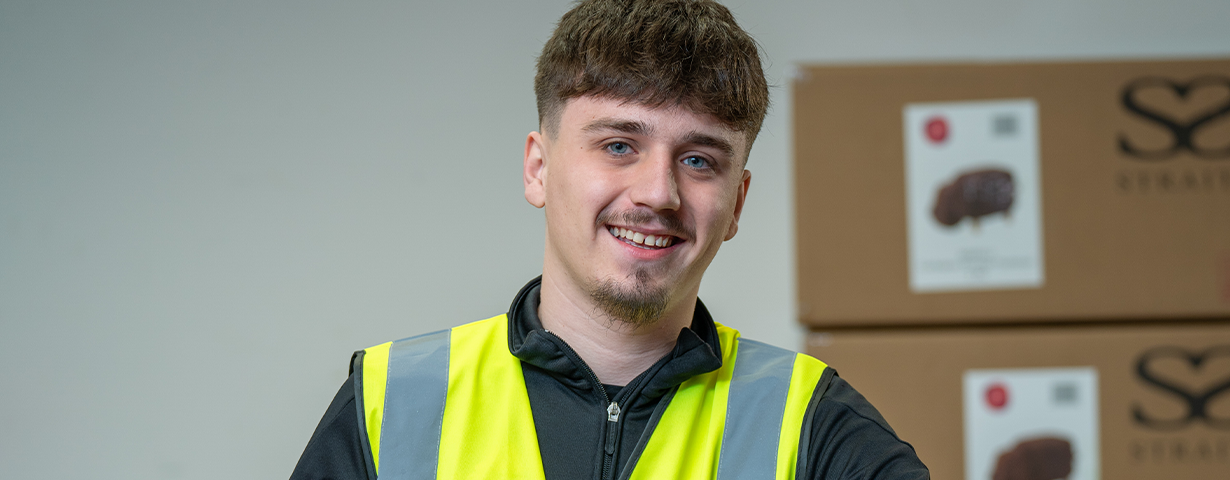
356, 365
822, 388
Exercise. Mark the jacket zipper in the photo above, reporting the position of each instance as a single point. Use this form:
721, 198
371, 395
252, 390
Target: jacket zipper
612, 411
612, 437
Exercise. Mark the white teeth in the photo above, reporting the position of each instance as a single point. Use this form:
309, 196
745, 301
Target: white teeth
641, 238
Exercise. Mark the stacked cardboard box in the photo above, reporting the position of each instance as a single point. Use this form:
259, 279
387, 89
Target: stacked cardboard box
974, 238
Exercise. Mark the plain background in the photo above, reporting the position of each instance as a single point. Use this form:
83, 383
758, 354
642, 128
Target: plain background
206, 206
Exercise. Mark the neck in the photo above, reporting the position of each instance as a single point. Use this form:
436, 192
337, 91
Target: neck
615, 351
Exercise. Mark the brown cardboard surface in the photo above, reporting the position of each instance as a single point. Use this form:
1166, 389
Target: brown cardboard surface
1123, 237
914, 378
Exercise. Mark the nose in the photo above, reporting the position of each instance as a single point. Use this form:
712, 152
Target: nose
654, 185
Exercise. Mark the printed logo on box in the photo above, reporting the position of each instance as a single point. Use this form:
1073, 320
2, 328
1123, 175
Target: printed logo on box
1184, 130
1197, 394
1168, 119
1182, 407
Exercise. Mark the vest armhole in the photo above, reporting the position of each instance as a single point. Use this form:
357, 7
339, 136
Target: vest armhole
356, 375
803, 469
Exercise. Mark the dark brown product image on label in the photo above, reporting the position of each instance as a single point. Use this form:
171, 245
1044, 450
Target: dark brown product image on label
974, 194
1037, 459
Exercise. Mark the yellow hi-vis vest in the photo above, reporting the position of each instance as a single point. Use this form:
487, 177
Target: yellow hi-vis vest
453, 405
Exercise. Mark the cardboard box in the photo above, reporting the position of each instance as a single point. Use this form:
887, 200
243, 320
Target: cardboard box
1133, 182
1163, 391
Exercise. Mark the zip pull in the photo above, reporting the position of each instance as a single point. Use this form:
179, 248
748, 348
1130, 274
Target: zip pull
612, 433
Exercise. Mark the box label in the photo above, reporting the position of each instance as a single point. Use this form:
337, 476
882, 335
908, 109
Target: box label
973, 195
1032, 423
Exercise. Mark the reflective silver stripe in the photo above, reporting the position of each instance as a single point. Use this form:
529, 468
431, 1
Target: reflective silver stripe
414, 407
754, 411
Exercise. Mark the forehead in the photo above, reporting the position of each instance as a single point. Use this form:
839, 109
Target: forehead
589, 115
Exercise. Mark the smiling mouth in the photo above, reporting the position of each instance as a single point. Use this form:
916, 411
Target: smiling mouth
638, 239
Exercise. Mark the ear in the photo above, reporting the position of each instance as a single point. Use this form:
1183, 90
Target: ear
534, 172
740, 196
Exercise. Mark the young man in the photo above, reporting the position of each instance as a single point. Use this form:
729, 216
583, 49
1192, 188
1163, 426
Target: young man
608, 366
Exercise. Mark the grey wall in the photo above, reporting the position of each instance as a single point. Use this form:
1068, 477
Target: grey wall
204, 208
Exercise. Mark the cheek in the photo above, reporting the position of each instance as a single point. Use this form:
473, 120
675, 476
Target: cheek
720, 209
589, 188
575, 201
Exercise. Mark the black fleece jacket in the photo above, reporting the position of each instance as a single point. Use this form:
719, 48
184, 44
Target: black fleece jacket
843, 436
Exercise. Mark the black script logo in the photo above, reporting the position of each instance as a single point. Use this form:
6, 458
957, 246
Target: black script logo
1197, 402
1181, 131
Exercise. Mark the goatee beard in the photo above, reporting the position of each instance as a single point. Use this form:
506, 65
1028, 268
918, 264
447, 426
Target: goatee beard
635, 305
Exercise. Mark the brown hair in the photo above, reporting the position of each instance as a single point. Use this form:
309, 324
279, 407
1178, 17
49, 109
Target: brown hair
654, 52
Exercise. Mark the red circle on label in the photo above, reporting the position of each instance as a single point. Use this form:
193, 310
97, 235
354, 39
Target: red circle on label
937, 129
997, 396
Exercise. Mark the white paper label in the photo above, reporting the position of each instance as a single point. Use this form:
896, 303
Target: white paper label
1036, 420
973, 195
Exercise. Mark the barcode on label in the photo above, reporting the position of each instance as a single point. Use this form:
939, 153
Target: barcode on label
1065, 394
1004, 125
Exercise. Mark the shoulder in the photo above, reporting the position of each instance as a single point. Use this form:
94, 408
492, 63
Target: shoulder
850, 439
759, 361
761, 351
841, 400
337, 449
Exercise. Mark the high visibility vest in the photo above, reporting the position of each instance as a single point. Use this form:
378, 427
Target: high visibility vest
453, 405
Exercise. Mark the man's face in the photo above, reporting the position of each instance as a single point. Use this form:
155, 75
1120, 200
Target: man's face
637, 200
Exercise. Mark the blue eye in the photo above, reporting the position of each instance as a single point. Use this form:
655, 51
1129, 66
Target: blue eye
619, 148
696, 162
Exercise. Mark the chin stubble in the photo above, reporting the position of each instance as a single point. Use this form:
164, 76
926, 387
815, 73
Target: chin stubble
635, 305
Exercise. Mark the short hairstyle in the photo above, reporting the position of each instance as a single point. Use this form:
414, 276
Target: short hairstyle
654, 52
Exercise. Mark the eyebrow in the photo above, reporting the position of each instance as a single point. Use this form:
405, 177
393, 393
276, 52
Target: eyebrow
701, 139
633, 127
